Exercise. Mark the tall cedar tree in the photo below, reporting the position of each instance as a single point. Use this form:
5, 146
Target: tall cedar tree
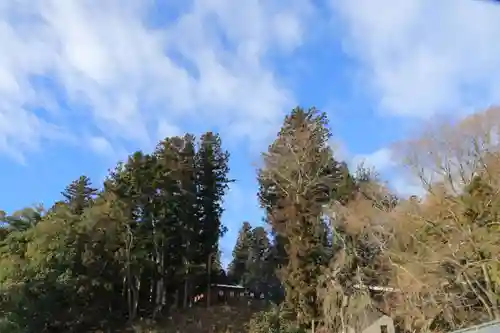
254, 262
186, 211
133, 184
299, 175
258, 273
169, 228
241, 253
212, 165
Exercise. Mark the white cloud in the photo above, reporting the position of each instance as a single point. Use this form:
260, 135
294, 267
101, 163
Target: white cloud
419, 59
381, 159
423, 57
385, 164
100, 145
407, 187
340, 151
124, 76
166, 129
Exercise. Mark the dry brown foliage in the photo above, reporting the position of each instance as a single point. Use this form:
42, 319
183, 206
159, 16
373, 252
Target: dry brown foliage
440, 253
445, 263
347, 304
451, 153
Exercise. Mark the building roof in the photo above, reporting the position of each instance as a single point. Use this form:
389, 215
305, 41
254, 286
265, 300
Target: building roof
369, 316
489, 327
229, 286
376, 288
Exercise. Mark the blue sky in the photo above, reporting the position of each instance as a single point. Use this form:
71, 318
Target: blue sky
84, 83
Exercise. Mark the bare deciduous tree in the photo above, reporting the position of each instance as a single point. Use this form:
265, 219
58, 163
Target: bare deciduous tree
444, 249
359, 263
452, 153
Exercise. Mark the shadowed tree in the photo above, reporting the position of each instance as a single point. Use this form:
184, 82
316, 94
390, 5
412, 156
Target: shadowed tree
241, 254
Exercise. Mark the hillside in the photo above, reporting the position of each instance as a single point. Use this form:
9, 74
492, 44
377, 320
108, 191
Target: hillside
216, 319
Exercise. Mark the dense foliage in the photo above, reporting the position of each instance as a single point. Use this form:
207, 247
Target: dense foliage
145, 242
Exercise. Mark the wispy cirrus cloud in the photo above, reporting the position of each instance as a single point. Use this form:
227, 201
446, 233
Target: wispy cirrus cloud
419, 58
116, 75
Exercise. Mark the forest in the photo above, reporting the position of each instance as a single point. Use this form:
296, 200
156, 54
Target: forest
146, 241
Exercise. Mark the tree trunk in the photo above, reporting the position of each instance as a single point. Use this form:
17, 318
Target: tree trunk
185, 299
209, 272
136, 293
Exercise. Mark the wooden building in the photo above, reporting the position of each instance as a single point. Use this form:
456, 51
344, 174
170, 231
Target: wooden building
229, 294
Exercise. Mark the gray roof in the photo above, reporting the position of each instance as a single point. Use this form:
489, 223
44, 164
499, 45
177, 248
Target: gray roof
489, 327
368, 317
229, 286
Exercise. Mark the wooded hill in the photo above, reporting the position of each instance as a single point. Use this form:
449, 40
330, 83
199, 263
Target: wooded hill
144, 242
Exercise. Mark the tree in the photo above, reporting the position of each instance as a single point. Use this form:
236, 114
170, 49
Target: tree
63, 276
299, 175
79, 194
241, 253
212, 168
258, 274
442, 264
255, 262
23, 219
441, 247
359, 261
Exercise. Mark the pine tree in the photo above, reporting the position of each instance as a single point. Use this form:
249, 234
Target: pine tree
79, 194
